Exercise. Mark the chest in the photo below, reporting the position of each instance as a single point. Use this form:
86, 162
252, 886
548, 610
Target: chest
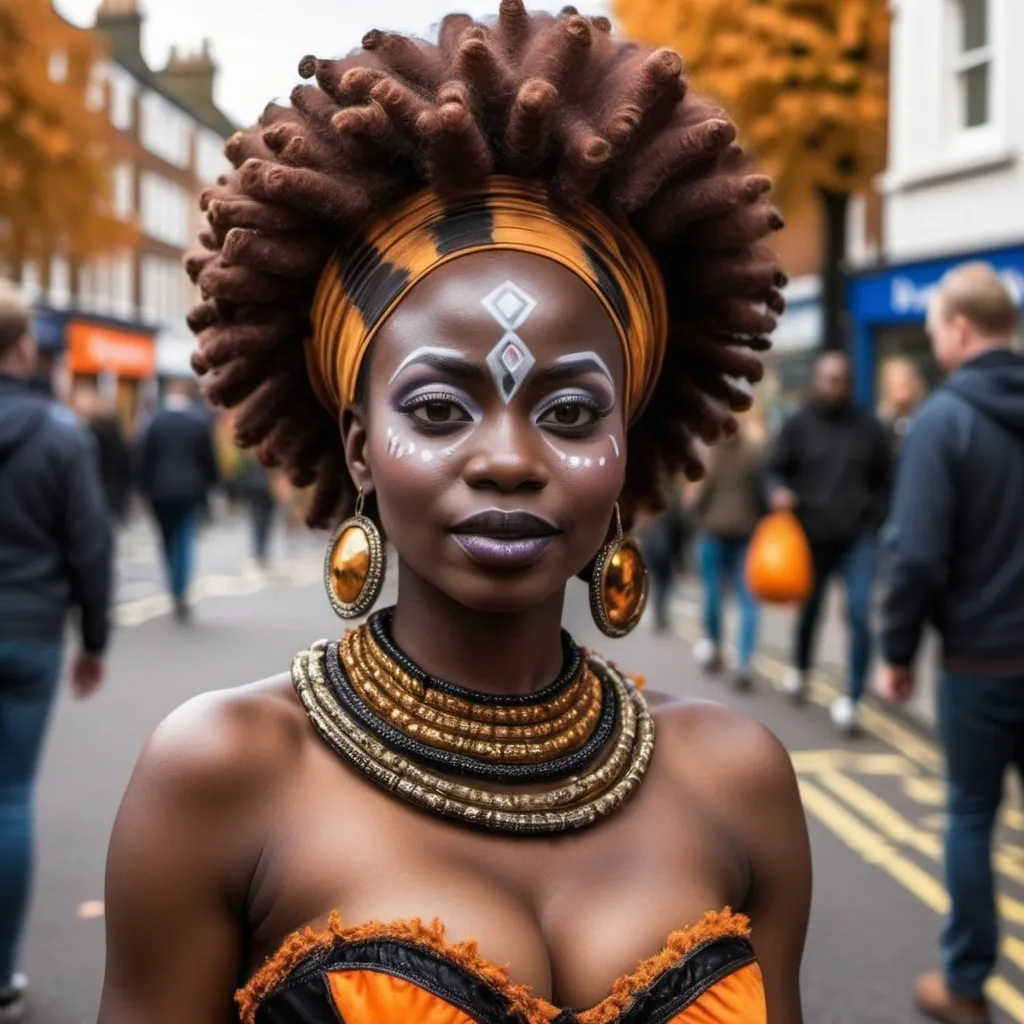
832, 449
566, 915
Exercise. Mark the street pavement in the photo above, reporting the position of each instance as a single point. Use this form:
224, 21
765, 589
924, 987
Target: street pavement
874, 804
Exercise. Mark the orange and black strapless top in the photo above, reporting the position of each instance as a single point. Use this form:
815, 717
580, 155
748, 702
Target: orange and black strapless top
407, 973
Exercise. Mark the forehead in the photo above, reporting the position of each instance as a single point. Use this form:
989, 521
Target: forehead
472, 302
832, 368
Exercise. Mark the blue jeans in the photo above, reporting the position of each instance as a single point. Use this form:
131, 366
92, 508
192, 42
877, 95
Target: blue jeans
29, 674
723, 563
177, 522
857, 563
981, 720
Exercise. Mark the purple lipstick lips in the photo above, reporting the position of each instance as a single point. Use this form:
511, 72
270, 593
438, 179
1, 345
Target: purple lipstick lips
507, 540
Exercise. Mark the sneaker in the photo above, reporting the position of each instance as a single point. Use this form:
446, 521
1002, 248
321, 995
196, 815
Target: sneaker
743, 681
933, 997
794, 685
706, 654
843, 713
182, 610
14, 999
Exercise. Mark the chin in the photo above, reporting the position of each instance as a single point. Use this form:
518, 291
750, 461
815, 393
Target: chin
507, 593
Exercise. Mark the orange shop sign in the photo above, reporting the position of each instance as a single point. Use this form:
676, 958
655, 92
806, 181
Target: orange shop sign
96, 348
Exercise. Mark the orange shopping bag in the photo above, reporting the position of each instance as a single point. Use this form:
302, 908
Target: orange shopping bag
779, 566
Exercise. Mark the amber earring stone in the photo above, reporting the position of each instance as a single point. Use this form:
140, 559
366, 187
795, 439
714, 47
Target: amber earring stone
618, 589
350, 564
624, 584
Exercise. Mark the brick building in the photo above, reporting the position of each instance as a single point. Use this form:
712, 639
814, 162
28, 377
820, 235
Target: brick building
121, 319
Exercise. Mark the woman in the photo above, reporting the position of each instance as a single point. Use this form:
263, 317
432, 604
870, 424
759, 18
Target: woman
728, 506
431, 250
903, 391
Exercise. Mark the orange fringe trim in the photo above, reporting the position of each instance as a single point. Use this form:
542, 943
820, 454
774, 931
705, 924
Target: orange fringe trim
307, 942
679, 945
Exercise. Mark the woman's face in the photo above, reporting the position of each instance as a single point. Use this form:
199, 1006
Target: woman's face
492, 431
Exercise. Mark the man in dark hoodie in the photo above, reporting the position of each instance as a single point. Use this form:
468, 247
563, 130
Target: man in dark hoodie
956, 559
54, 557
832, 466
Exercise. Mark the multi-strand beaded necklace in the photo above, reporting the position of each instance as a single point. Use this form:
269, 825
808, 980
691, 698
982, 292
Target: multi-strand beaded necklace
565, 757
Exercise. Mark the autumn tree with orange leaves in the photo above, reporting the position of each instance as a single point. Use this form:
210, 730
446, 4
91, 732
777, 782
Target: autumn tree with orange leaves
54, 183
806, 81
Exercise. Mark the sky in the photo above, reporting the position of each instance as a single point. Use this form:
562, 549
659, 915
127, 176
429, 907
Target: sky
259, 44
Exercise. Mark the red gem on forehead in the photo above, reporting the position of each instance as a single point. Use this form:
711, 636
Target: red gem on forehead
511, 356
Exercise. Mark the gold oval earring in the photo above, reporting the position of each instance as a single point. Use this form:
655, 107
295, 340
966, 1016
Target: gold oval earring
618, 584
355, 564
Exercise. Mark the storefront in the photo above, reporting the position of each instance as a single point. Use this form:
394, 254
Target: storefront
119, 359
888, 307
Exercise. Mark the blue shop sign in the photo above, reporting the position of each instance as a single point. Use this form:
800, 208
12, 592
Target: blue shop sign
901, 294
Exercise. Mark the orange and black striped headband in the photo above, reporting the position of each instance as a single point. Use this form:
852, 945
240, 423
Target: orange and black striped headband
362, 284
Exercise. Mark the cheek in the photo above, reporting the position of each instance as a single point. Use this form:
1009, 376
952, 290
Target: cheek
406, 464
595, 467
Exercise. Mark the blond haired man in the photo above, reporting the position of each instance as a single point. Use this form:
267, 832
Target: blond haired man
956, 557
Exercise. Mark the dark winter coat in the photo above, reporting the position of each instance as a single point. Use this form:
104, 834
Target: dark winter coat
55, 545
177, 463
840, 467
956, 540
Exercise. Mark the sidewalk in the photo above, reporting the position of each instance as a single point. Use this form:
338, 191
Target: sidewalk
776, 638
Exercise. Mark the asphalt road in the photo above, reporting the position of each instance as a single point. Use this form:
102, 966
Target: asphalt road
874, 804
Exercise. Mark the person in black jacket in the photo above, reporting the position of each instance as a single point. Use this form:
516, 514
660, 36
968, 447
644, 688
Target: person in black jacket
115, 457
956, 558
178, 467
832, 466
54, 557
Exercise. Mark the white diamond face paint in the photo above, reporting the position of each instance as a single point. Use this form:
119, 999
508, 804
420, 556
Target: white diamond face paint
510, 361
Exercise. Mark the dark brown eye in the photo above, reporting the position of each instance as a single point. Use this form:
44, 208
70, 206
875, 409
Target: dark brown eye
568, 415
440, 411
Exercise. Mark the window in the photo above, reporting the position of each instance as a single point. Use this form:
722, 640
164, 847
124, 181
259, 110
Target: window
31, 287
58, 66
164, 208
210, 160
122, 98
124, 190
974, 63
165, 130
164, 290
96, 91
60, 282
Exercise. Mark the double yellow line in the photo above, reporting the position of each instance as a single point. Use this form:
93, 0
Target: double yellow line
876, 832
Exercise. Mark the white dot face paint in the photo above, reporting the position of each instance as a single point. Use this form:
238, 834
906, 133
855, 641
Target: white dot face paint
510, 361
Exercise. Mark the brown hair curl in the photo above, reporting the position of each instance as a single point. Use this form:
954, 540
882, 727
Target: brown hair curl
533, 95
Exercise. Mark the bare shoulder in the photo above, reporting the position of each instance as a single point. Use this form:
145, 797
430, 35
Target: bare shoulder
712, 747
226, 745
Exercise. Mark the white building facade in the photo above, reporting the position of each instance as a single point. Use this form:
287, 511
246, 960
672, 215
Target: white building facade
954, 190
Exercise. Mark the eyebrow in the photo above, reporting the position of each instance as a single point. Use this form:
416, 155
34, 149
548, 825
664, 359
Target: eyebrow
445, 360
572, 366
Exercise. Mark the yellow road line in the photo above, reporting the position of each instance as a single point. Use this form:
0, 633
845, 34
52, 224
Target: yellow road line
873, 849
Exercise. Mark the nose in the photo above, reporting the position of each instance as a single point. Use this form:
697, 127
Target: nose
507, 458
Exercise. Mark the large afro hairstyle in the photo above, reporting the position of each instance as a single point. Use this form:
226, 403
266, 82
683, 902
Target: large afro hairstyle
553, 98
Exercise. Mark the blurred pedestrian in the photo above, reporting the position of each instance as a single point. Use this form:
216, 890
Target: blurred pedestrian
663, 538
956, 556
253, 484
727, 505
54, 555
903, 391
831, 465
178, 468
115, 457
